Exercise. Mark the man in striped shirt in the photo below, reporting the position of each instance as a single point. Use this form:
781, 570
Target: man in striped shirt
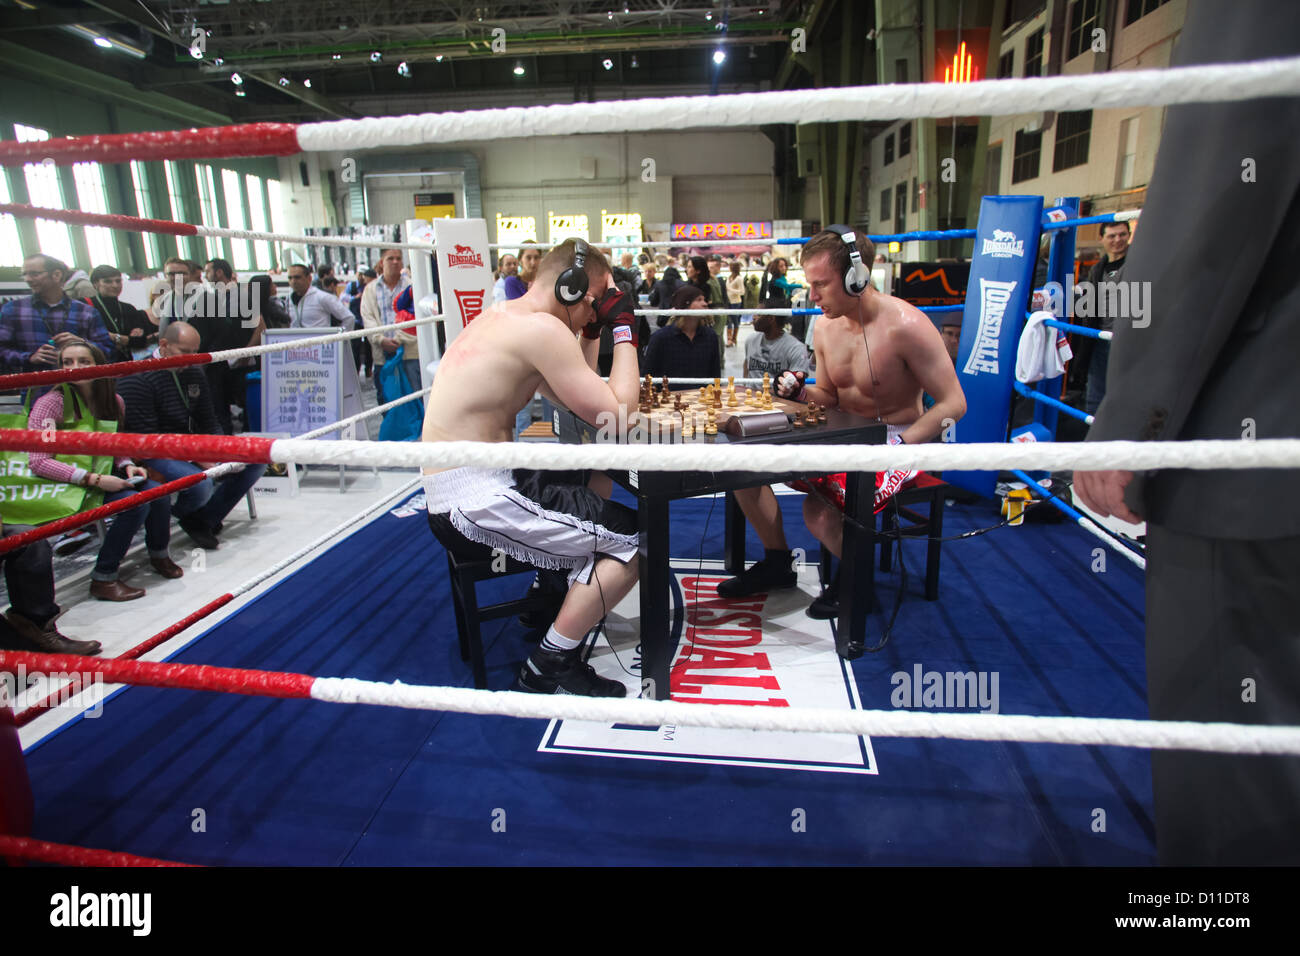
32, 330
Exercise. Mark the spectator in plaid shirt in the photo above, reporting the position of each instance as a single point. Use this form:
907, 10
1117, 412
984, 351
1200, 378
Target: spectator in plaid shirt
33, 330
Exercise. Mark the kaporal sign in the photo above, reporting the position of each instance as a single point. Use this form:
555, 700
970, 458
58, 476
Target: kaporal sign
722, 230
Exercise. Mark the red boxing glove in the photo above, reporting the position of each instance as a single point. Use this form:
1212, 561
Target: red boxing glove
789, 384
615, 310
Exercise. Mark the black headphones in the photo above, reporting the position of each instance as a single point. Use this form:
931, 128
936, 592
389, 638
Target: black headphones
858, 276
571, 284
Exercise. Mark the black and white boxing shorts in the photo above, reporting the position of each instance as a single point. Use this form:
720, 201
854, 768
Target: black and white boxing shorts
549, 519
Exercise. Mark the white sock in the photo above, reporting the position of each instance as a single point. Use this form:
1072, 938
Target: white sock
555, 641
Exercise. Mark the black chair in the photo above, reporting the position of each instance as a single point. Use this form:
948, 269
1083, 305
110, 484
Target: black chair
924, 488
464, 574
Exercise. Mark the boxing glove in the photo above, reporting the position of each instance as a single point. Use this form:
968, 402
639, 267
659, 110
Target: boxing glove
615, 309
789, 384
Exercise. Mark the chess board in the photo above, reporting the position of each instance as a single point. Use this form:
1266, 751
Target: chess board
693, 413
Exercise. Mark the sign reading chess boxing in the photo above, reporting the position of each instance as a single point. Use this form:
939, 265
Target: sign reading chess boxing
722, 230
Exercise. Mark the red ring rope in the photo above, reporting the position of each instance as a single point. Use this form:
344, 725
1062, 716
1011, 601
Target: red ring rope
178, 447
230, 680
56, 376
94, 514
35, 710
211, 142
24, 848
112, 220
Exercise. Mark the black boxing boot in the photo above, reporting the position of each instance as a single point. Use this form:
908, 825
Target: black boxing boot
773, 573
565, 672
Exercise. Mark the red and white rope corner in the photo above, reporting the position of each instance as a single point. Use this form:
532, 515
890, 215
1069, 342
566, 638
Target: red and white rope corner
1215, 83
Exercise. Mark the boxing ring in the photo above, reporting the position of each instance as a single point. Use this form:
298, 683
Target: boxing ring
395, 763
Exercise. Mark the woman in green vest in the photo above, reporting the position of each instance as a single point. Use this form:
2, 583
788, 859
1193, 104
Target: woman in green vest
94, 405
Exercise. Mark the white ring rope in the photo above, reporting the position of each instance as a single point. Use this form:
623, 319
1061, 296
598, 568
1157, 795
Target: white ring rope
377, 410
1216, 83
1087, 731
1094, 529
219, 232
691, 456
252, 351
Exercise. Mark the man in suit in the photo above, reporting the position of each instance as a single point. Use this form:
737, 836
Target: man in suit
1217, 361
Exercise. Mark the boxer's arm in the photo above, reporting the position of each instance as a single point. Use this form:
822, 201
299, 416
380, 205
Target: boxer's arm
824, 392
573, 383
590, 352
924, 353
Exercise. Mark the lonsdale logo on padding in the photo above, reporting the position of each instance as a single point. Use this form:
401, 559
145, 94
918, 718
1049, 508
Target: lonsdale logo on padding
464, 257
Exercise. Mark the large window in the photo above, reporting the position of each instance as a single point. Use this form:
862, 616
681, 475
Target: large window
1034, 54
257, 211
235, 214
900, 205
207, 188
11, 245
889, 149
904, 139
43, 189
153, 253
1073, 130
1137, 9
277, 207
885, 215
1083, 18
1029, 147
91, 197
993, 171
1007, 65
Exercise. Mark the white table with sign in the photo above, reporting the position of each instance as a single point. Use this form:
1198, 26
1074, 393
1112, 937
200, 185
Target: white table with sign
307, 388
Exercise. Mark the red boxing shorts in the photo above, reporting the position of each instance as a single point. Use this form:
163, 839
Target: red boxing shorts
831, 487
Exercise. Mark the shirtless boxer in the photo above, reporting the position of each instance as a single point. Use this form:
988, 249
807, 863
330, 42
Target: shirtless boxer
552, 520
876, 355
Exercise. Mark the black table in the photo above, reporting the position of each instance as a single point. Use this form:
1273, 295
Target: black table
654, 490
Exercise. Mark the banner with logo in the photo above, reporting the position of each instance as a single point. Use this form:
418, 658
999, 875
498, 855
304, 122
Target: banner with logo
464, 274
997, 297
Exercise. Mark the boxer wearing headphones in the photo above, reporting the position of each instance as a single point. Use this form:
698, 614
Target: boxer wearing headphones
876, 356
559, 522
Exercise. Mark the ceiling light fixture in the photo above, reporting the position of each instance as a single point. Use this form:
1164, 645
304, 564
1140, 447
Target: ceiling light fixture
708, 16
635, 64
719, 56
218, 61
519, 68
607, 63
236, 79
99, 39
438, 57
284, 81
403, 69
240, 93
376, 57
337, 56
307, 82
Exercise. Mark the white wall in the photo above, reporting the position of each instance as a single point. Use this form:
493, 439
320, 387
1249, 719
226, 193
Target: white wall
721, 175
724, 175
